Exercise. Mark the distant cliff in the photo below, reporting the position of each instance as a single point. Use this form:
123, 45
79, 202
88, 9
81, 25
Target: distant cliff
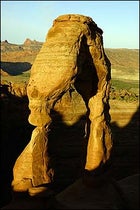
27, 45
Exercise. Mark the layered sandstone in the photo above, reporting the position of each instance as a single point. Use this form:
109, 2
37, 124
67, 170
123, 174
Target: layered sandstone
68, 90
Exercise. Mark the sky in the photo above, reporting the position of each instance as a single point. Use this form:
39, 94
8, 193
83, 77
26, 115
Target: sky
119, 20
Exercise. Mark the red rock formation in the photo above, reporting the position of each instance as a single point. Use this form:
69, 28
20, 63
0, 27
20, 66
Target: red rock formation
70, 77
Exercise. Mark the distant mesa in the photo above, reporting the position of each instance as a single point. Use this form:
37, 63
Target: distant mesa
28, 46
26, 42
30, 42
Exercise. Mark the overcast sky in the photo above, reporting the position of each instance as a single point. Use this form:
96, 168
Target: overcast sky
32, 19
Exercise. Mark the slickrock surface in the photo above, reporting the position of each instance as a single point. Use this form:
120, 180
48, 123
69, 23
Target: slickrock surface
103, 193
107, 194
131, 192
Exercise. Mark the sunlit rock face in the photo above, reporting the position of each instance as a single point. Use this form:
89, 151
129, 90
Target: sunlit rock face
69, 86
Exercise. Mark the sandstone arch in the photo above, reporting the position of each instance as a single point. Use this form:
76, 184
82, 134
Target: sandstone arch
71, 70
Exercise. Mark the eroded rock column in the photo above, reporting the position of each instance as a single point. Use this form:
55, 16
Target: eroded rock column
32, 166
100, 137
